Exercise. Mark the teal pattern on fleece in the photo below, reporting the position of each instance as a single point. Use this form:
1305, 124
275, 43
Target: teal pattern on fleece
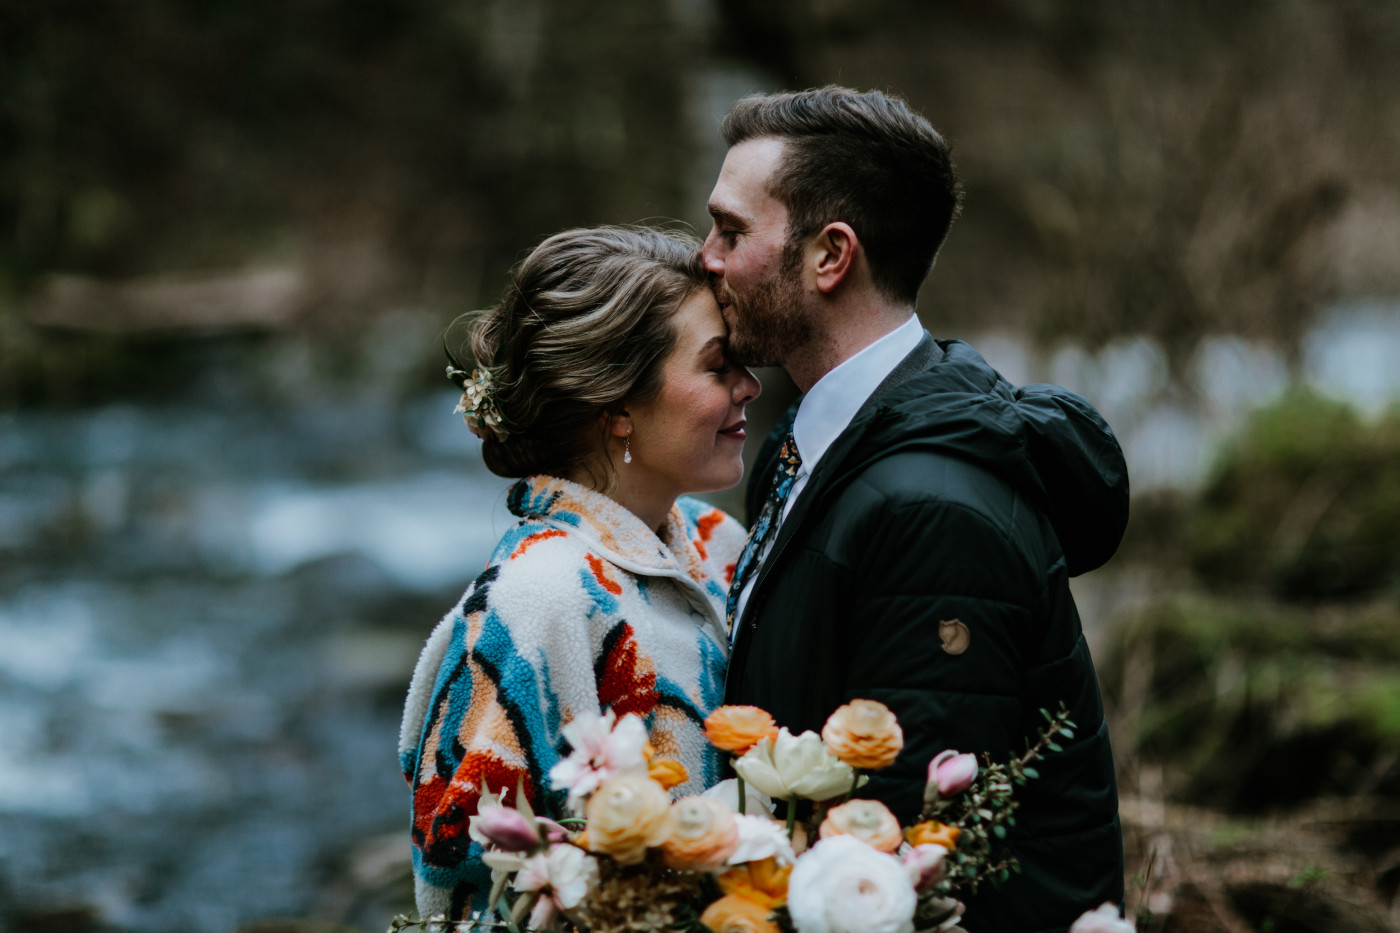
581, 607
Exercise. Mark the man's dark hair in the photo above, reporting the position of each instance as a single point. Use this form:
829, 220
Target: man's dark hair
863, 158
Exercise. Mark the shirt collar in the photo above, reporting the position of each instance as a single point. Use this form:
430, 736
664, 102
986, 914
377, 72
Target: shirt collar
829, 406
610, 528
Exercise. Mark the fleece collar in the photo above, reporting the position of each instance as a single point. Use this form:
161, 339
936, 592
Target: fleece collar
610, 529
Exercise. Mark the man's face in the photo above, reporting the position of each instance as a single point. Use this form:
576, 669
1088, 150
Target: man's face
758, 286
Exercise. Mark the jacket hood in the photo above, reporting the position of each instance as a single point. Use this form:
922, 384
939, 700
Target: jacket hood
1045, 440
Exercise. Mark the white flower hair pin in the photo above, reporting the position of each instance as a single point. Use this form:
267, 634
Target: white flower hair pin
478, 403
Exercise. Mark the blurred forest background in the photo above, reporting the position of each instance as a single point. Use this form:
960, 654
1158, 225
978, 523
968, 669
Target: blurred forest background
233, 498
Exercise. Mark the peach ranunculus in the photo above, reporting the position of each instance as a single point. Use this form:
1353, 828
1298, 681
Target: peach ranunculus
864, 734
765, 882
739, 728
932, 832
734, 914
667, 772
626, 816
870, 821
701, 833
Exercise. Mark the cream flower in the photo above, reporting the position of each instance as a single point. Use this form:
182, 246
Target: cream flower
843, 886
864, 734
761, 837
477, 406
603, 747
795, 766
626, 816
870, 821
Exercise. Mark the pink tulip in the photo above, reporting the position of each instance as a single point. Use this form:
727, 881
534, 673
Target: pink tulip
553, 832
952, 773
925, 864
508, 830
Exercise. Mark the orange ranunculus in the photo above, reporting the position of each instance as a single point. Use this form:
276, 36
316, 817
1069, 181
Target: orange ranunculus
934, 832
626, 816
739, 728
864, 734
667, 772
734, 914
870, 821
701, 833
764, 882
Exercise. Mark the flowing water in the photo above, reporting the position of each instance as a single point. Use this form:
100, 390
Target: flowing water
207, 616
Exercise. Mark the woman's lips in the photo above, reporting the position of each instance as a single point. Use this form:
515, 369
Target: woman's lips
735, 430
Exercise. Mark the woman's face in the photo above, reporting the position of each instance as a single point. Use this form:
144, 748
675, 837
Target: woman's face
690, 436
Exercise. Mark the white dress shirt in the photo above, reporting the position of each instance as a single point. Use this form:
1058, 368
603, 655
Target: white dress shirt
828, 409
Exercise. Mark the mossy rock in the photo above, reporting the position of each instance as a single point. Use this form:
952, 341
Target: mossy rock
1255, 706
1304, 504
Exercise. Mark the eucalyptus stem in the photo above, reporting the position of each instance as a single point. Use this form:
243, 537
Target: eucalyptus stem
791, 815
740, 779
855, 782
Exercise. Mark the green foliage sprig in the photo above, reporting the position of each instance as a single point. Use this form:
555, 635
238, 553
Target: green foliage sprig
985, 811
440, 924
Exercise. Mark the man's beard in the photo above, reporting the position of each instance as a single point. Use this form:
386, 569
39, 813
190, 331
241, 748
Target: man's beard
769, 322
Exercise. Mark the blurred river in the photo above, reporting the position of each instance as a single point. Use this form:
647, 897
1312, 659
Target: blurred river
209, 610
208, 613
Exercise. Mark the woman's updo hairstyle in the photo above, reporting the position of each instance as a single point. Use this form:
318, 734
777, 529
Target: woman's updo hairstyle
583, 328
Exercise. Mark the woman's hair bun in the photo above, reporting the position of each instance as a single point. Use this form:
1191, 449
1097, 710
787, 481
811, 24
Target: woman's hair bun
583, 327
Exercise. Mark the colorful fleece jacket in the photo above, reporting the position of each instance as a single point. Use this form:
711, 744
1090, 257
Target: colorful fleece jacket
581, 607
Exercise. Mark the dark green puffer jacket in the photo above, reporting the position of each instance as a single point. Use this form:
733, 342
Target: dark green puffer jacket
954, 495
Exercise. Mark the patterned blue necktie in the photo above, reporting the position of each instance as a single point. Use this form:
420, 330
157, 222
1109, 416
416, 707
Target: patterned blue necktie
769, 517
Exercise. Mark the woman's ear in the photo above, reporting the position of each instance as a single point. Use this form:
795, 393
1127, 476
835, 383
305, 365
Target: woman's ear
619, 423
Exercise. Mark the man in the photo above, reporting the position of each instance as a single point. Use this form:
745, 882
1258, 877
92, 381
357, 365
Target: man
916, 545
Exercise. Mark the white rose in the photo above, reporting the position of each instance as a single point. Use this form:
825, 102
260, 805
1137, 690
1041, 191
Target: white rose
795, 766
727, 790
842, 885
1103, 920
759, 838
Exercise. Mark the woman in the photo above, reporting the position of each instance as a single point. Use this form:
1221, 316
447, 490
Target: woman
604, 382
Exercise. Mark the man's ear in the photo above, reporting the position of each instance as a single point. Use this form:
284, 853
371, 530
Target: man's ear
835, 248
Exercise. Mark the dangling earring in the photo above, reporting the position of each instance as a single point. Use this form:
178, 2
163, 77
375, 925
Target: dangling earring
627, 449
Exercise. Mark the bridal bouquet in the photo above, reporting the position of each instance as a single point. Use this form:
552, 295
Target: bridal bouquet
722, 862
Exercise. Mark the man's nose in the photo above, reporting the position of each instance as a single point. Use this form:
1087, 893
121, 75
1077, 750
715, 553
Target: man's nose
709, 257
748, 387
